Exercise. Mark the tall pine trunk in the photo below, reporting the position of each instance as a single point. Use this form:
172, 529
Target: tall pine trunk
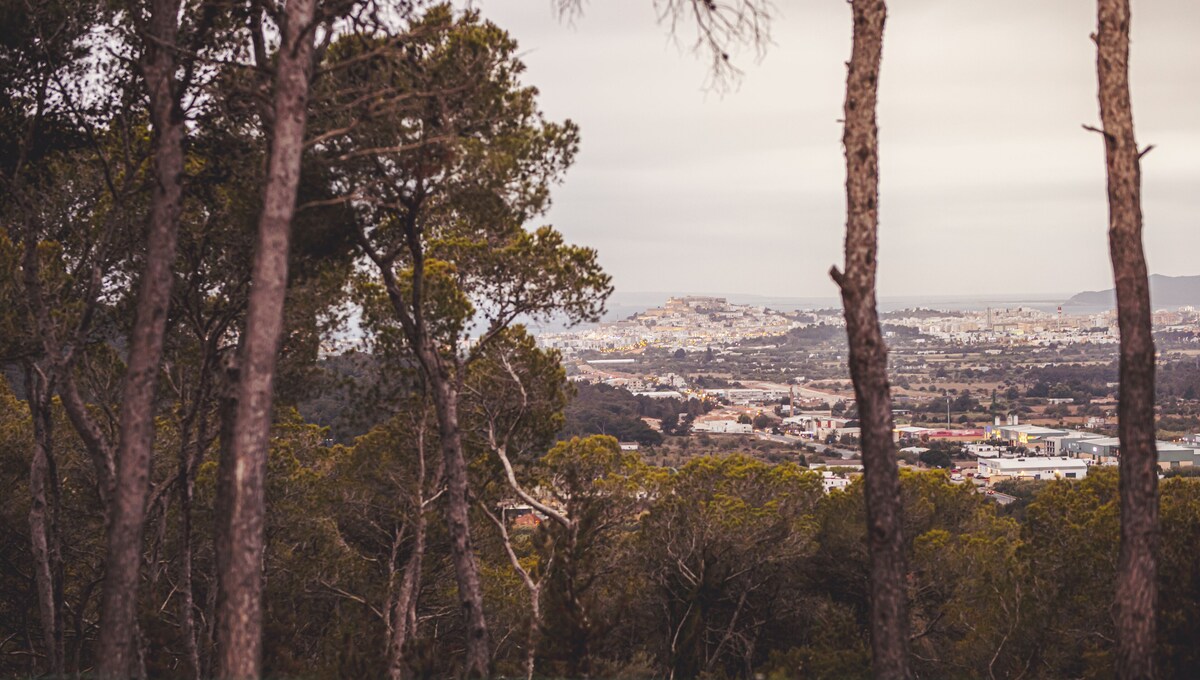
240, 534
1136, 591
466, 568
43, 521
868, 354
444, 387
117, 649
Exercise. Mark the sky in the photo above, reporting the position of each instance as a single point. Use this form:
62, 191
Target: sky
989, 185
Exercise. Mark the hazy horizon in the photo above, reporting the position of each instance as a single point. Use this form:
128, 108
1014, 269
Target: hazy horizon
1044, 295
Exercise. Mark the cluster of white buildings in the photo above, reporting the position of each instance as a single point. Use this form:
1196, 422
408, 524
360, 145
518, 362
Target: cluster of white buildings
1020, 325
1026, 326
695, 322
1018, 451
834, 481
818, 425
750, 395
1013, 450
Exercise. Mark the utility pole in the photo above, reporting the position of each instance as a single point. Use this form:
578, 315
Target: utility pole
947, 413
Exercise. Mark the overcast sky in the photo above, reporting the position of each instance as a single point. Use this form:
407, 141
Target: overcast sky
989, 185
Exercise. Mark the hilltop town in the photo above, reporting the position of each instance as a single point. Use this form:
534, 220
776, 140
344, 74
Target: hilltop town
704, 321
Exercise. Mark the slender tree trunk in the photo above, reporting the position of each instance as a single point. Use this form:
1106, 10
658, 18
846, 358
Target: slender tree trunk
43, 522
195, 439
403, 608
444, 387
239, 607
187, 602
78, 629
534, 635
687, 641
580, 663
533, 588
466, 569
1136, 591
95, 441
116, 652
868, 354
97, 444
226, 414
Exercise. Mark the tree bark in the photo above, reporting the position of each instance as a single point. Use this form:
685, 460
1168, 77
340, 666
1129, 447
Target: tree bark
402, 610
98, 445
466, 569
195, 438
868, 354
403, 607
117, 650
1136, 589
187, 602
43, 521
227, 415
95, 441
240, 536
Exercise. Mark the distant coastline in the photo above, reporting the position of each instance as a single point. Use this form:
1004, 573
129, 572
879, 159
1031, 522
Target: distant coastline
1166, 292
640, 302
624, 304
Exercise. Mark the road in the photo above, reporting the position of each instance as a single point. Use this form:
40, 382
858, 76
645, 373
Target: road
1001, 498
786, 439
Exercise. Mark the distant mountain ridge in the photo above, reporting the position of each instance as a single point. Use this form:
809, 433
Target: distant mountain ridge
1165, 291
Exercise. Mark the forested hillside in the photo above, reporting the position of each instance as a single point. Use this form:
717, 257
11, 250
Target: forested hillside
730, 566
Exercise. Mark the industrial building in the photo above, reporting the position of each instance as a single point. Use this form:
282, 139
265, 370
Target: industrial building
1050, 467
1106, 451
1033, 437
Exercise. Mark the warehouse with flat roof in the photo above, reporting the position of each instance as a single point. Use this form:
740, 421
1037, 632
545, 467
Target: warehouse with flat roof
1036, 467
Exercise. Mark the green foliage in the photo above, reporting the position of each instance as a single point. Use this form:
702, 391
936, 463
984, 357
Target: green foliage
603, 409
601, 489
1179, 579
449, 163
936, 458
762, 421
80, 522
715, 542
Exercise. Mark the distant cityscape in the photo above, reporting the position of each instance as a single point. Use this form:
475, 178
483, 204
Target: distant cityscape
1003, 392
702, 321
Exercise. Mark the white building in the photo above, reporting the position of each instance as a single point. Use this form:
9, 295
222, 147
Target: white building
672, 394
722, 427
815, 425
984, 450
833, 480
1033, 437
1058, 444
1050, 467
